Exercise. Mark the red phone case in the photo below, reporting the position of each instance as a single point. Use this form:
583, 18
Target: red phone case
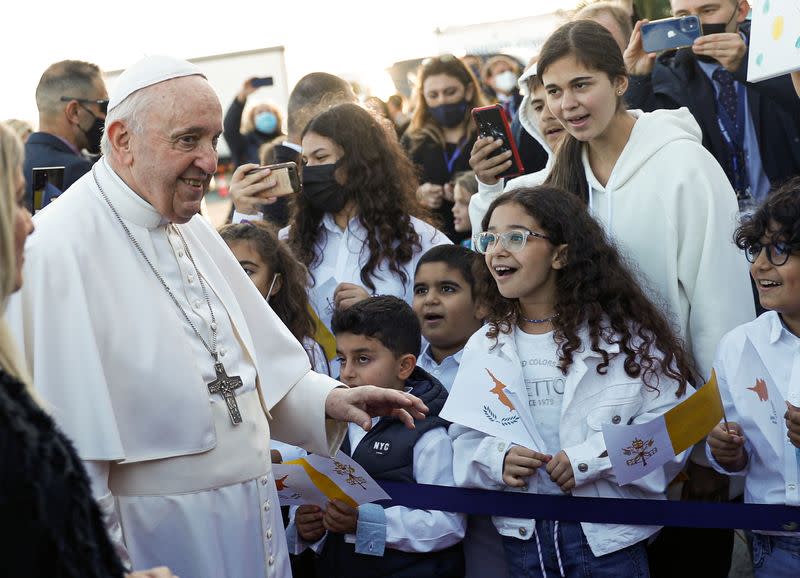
487, 116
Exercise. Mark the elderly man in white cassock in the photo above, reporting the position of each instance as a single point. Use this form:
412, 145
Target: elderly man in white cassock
157, 355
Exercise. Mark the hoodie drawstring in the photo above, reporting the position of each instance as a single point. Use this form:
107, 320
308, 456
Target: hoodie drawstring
558, 550
539, 548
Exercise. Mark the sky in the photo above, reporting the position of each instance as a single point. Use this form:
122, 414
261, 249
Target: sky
346, 37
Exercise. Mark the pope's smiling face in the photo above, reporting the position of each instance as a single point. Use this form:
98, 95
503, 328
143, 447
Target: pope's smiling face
174, 156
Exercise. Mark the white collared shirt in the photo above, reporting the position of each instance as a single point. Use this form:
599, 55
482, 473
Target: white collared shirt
343, 254
445, 371
767, 480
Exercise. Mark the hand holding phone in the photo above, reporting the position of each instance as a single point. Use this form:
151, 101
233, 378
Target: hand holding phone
670, 33
253, 186
492, 122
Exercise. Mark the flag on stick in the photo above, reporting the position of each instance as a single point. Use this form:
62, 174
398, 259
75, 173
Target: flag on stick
638, 449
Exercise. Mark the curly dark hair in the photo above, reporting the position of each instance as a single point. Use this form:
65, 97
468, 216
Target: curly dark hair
595, 289
291, 302
379, 178
781, 208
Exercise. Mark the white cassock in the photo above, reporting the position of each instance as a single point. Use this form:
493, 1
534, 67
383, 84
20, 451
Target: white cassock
126, 378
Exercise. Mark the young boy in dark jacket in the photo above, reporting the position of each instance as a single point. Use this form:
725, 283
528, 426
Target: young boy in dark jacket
378, 341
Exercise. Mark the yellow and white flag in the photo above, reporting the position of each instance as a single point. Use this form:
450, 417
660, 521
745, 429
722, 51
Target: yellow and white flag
315, 479
638, 449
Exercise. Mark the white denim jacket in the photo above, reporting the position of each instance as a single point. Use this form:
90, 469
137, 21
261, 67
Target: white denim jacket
590, 400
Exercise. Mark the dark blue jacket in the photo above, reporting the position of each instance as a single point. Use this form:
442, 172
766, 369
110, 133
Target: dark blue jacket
46, 150
387, 453
677, 80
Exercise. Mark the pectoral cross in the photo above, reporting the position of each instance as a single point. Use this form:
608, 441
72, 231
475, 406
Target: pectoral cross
225, 386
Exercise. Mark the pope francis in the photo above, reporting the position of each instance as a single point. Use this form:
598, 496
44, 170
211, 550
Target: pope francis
157, 355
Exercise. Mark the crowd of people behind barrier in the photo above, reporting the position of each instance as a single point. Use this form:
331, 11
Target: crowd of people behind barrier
603, 285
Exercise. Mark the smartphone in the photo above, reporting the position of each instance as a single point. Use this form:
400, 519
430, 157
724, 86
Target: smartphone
288, 181
261, 81
492, 121
670, 33
47, 183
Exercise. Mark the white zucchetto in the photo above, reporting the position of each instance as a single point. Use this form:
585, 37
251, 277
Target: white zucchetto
147, 72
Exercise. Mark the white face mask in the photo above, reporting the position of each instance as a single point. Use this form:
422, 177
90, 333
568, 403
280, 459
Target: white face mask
505, 81
271, 285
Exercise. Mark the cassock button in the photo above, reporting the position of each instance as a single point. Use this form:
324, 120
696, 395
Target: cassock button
213, 326
269, 534
180, 254
264, 482
197, 304
523, 532
791, 487
190, 279
582, 468
222, 352
616, 419
266, 506
501, 447
271, 560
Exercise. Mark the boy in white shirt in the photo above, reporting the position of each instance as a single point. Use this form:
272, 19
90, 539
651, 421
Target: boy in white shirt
377, 341
758, 362
445, 304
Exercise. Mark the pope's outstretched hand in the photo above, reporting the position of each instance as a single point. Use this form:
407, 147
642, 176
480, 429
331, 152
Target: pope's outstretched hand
360, 404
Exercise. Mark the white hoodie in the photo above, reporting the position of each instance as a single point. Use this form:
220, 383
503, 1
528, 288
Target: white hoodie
480, 201
671, 211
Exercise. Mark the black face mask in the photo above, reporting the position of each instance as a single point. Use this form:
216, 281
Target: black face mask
449, 115
717, 28
321, 189
94, 135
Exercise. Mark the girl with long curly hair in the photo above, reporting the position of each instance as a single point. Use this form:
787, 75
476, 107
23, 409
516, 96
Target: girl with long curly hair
353, 223
442, 132
585, 347
280, 278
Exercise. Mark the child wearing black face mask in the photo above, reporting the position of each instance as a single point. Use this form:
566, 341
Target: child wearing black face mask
442, 133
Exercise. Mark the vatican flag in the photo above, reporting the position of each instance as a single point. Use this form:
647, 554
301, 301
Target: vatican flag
638, 449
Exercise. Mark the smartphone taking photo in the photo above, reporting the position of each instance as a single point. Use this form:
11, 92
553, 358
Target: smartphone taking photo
47, 184
670, 33
286, 177
261, 81
493, 122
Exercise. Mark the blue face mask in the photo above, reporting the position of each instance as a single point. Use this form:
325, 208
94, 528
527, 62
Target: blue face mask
266, 122
449, 115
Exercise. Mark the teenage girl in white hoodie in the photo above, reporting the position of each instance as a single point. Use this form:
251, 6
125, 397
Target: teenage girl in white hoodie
655, 189
579, 340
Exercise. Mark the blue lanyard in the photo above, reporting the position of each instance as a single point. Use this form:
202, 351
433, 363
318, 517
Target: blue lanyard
733, 134
450, 161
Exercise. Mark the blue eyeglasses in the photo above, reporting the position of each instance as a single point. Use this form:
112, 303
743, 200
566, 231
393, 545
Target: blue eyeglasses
510, 240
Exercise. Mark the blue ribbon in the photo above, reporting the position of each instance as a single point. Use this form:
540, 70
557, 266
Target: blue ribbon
775, 518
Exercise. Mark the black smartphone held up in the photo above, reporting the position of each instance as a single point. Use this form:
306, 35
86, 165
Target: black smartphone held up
288, 181
492, 121
261, 81
47, 183
670, 33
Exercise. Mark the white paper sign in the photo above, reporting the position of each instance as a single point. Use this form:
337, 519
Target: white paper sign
295, 487
638, 449
317, 480
479, 400
774, 39
764, 401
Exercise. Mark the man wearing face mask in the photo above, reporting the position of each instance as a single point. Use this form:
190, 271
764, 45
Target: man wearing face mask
72, 101
752, 129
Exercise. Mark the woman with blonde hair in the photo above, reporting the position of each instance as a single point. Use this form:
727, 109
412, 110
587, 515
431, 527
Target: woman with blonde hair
50, 523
